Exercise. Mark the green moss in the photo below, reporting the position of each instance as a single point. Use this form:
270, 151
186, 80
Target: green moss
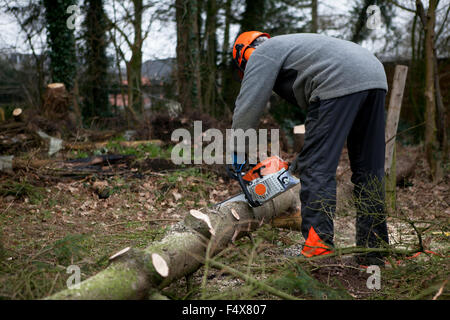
117, 282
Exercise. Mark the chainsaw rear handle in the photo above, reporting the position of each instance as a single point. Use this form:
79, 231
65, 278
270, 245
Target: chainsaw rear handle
235, 172
238, 176
248, 196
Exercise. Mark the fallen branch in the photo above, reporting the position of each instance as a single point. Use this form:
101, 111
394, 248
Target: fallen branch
337, 252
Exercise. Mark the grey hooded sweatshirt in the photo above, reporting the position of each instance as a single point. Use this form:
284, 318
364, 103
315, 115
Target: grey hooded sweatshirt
304, 68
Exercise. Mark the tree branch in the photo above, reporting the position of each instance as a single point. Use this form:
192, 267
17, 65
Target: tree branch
421, 13
395, 3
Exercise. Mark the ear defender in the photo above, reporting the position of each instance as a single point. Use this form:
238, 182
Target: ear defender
248, 53
243, 49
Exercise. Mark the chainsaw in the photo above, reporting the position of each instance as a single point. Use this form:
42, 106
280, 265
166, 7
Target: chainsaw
262, 181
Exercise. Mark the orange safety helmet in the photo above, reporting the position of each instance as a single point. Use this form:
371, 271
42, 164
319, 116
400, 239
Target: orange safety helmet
243, 48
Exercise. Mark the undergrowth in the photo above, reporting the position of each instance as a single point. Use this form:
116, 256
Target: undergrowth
40, 237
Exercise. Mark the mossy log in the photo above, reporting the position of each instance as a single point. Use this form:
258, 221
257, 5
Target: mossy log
137, 273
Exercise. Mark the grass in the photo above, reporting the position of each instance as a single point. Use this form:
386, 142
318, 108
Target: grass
147, 150
142, 151
44, 230
54, 228
415, 278
44, 272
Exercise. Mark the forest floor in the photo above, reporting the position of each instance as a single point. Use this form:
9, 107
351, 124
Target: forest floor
48, 224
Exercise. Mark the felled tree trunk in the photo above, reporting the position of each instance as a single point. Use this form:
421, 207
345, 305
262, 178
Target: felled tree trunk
137, 273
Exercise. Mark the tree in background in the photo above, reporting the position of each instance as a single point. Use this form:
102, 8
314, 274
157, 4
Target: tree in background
435, 141
29, 16
61, 42
209, 67
275, 17
224, 60
95, 85
424, 62
253, 17
287, 16
128, 33
134, 65
205, 73
358, 18
188, 54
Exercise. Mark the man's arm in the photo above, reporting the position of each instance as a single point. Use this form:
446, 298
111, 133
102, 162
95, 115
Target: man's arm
259, 78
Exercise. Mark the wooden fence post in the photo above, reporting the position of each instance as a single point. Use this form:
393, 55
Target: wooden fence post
395, 104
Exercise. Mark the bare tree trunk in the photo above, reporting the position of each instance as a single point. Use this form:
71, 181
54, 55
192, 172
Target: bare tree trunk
253, 16
210, 70
432, 150
441, 112
94, 87
225, 74
314, 21
120, 55
135, 64
134, 44
188, 55
226, 40
137, 273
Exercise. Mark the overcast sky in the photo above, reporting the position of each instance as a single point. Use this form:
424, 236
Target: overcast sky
161, 42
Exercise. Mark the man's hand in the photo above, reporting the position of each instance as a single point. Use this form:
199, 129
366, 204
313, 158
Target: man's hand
294, 167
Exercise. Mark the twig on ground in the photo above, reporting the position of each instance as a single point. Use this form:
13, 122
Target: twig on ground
441, 289
143, 221
352, 250
255, 282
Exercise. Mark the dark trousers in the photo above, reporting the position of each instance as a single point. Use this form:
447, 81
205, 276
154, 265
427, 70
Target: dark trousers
359, 118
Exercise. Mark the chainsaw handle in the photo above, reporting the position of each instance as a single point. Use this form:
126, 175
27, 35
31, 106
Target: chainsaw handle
236, 167
238, 176
251, 202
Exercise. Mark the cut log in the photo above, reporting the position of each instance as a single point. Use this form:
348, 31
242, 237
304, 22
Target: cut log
18, 114
299, 137
135, 273
56, 101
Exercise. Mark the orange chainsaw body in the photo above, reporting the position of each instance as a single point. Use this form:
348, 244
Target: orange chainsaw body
266, 167
268, 179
